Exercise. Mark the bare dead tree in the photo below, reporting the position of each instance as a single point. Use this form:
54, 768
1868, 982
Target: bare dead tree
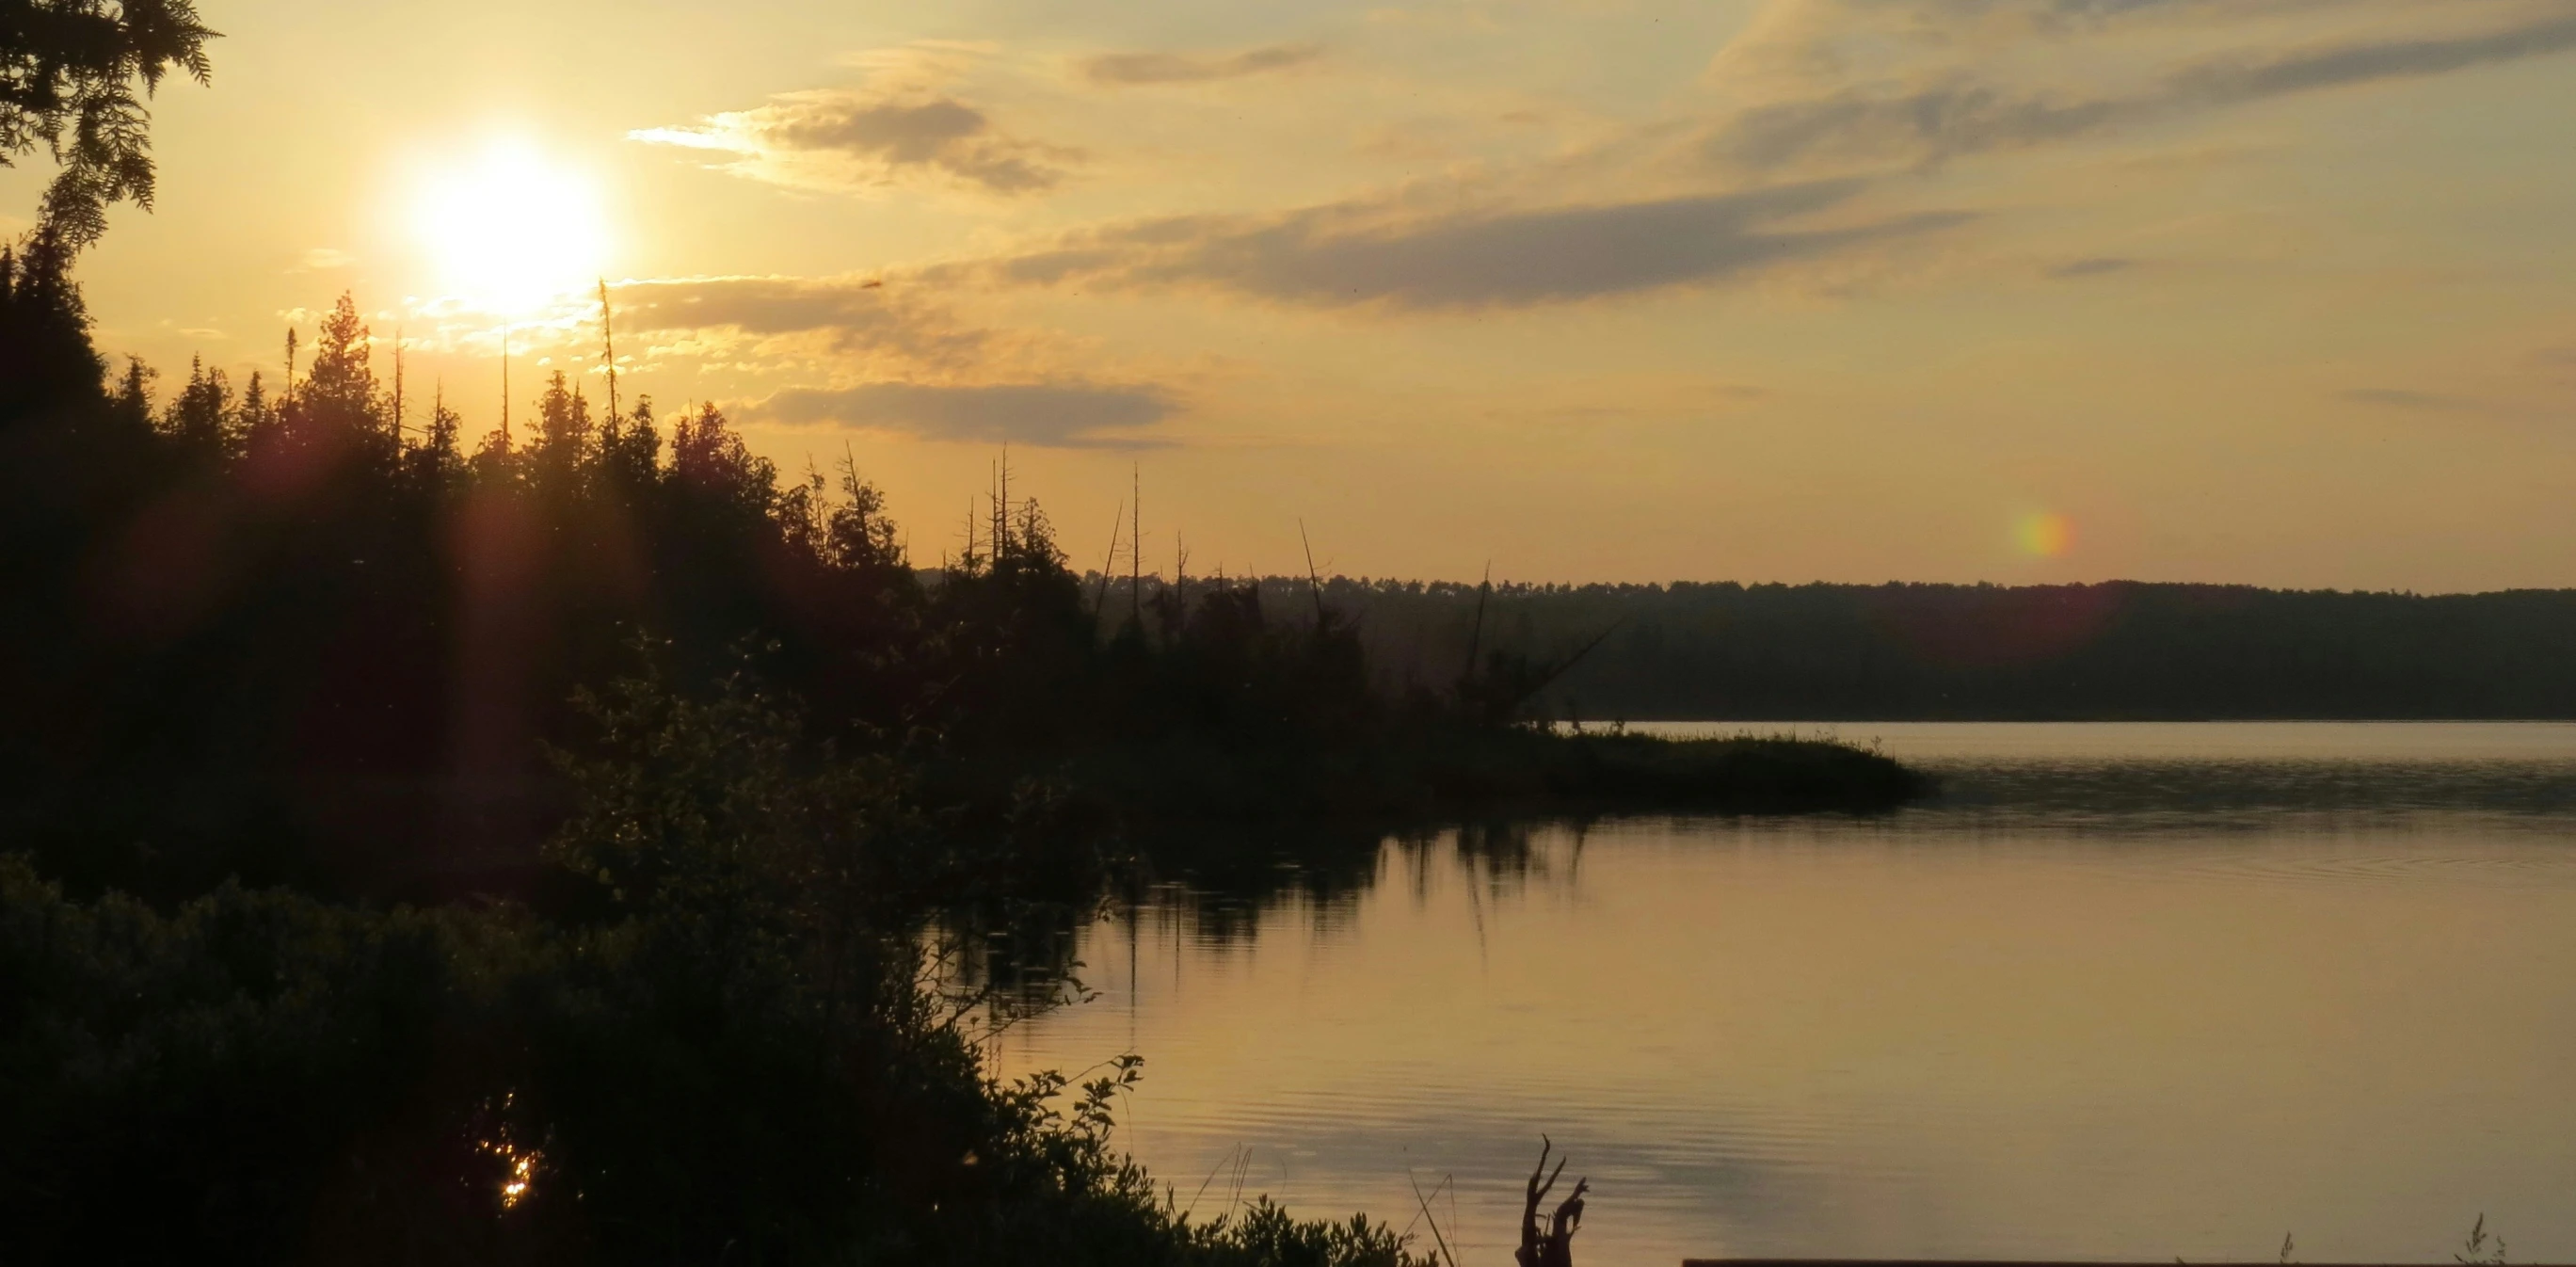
1476, 638
1136, 547
1108, 561
398, 386
1549, 672
1555, 1246
1002, 504
608, 345
1314, 582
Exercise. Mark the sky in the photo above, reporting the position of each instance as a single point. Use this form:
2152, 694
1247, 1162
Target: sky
2276, 292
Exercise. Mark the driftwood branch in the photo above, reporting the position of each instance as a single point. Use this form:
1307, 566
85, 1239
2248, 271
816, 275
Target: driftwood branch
1566, 665
1555, 1246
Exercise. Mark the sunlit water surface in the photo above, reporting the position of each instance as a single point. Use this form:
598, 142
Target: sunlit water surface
2124, 991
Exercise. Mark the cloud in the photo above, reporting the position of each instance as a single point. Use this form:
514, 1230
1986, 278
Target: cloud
855, 314
1054, 415
931, 373
2530, 410
1931, 115
1922, 126
1124, 69
323, 259
2419, 402
861, 138
2090, 268
2250, 79
1346, 255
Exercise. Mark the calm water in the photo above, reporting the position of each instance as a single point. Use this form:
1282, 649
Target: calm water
2126, 991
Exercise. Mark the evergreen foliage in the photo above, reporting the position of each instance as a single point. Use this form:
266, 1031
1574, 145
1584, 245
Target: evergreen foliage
46, 362
275, 636
2116, 650
74, 75
544, 853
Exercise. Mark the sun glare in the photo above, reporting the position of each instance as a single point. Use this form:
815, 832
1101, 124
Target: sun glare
511, 229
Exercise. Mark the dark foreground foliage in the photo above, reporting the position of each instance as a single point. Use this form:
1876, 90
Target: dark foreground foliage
739, 1052
346, 915
306, 634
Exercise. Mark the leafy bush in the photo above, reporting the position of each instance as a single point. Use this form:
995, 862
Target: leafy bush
735, 1051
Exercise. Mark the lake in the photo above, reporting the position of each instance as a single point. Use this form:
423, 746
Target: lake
2123, 991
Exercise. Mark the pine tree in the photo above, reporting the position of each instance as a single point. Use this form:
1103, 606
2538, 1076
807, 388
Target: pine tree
707, 455
339, 401
130, 405
200, 419
46, 360
859, 536
494, 462
436, 461
630, 452
563, 440
255, 422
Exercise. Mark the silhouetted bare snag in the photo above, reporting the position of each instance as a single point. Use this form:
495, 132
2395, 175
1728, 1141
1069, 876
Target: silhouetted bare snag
1555, 1248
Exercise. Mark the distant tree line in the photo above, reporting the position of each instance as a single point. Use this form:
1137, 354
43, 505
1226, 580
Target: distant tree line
2116, 650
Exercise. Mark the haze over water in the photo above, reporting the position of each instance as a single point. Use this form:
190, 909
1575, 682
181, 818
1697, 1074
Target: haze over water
2125, 991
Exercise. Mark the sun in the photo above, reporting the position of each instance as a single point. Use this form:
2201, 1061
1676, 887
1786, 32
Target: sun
510, 229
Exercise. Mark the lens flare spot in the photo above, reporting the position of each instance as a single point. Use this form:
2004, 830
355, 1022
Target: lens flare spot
2045, 534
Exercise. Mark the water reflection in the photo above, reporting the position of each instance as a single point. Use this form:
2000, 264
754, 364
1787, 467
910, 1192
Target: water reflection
1219, 889
2085, 1006
513, 1162
1227, 900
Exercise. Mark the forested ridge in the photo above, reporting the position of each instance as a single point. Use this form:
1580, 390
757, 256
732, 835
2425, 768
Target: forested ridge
2111, 651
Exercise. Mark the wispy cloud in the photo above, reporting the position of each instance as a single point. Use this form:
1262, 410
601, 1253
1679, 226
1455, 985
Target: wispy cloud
2424, 402
1052, 415
1127, 69
2228, 80
2094, 267
852, 138
1904, 109
1347, 255
930, 374
851, 314
2556, 362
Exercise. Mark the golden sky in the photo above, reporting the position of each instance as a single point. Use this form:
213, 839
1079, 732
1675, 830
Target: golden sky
2272, 291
